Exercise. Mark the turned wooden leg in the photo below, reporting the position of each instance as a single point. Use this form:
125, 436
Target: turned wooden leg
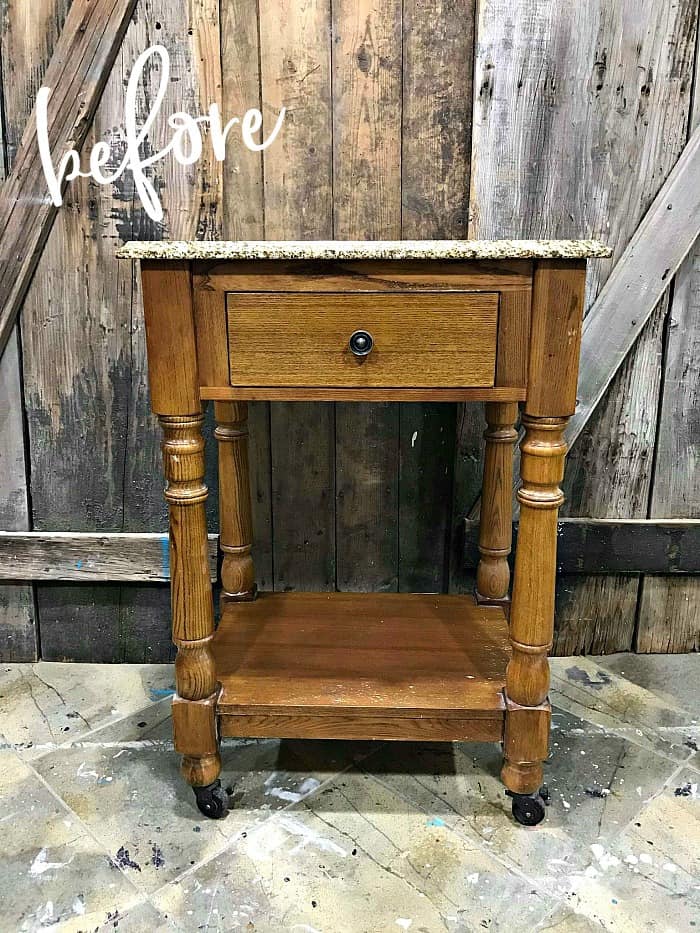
236, 523
496, 526
194, 706
532, 611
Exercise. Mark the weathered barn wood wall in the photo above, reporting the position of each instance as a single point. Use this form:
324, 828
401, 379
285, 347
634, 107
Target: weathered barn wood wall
577, 115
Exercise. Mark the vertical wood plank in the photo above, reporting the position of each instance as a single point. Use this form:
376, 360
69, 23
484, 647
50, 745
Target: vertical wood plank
367, 205
244, 219
27, 37
669, 614
597, 614
192, 202
85, 381
295, 57
18, 631
571, 96
669, 608
438, 41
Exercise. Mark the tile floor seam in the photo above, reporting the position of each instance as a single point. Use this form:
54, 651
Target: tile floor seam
557, 679
477, 839
273, 815
655, 796
72, 742
88, 832
615, 837
668, 702
628, 733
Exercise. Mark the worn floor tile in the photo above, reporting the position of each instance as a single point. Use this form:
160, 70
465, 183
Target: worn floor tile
142, 918
649, 877
52, 872
597, 783
47, 703
299, 871
586, 689
469, 886
125, 783
361, 837
673, 678
564, 920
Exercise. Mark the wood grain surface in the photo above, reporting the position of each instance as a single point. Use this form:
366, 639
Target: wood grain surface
369, 654
419, 340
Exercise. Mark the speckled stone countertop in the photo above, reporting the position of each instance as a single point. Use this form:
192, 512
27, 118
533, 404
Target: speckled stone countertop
368, 249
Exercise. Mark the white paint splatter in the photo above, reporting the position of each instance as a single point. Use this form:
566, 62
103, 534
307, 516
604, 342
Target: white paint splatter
414, 438
646, 858
565, 804
78, 906
605, 859
307, 836
262, 844
48, 914
669, 866
83, 773
631, 859
403, 922
41, 864
473, 879
305, 788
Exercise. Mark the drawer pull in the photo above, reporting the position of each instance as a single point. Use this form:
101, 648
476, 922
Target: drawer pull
361, 343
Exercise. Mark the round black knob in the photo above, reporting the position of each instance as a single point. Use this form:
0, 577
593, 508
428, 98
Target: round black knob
361, 343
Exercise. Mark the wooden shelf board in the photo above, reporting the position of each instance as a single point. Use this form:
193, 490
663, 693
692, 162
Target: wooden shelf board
351, 665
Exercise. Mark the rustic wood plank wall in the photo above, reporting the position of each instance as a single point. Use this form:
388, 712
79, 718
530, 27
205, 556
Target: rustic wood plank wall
577, 116
587, 106
669, 609
28, 36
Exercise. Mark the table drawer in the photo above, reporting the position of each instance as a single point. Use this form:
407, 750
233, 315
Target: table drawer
440, 340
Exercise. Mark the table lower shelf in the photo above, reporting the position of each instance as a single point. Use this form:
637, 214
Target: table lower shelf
362, 666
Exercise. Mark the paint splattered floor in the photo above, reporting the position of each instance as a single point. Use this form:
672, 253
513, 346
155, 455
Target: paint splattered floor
98, 831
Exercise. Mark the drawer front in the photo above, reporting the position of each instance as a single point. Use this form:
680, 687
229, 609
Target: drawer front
431, 340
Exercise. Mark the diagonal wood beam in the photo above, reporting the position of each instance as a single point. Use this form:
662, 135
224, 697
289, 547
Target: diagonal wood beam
77, 74
637, 283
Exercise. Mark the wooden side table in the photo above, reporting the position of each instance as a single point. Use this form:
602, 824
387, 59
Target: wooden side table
498, 322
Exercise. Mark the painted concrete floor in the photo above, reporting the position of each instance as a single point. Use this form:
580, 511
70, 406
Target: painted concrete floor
99, 832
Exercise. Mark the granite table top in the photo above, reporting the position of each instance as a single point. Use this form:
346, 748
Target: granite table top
365, 249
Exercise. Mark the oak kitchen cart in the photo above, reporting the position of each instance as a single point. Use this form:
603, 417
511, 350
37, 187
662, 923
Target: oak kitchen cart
455, 321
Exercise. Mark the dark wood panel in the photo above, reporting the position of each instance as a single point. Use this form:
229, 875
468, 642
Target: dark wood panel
366, 56
611, 546
295, 63
244, 219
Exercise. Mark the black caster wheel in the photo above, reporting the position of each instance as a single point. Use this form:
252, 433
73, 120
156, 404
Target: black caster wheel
212, 800
529, 809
